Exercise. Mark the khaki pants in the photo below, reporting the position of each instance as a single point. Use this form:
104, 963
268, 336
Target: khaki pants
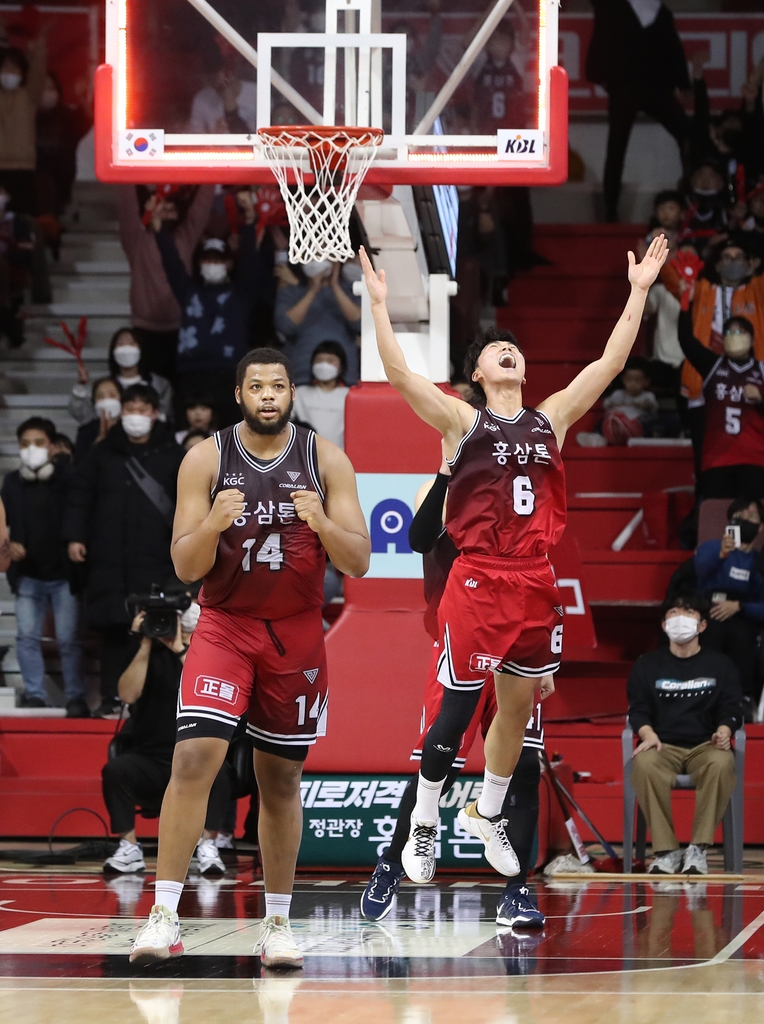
654, 774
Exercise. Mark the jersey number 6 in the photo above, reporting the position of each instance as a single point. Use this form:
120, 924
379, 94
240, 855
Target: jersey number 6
269, 552
523, 498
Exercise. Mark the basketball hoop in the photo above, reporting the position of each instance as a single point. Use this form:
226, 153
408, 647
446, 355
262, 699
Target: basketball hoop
319, 170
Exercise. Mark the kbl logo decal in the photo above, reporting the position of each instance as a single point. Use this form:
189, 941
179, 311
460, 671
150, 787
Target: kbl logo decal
389, 524
520, 144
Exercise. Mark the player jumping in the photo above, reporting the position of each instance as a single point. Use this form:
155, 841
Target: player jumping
259, 506
506, 508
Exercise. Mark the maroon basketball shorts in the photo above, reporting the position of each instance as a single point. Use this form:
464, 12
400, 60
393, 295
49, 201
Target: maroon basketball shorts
272, 671
433, 698
498, 614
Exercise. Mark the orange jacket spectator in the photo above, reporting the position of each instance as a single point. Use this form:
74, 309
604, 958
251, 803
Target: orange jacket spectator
747, 300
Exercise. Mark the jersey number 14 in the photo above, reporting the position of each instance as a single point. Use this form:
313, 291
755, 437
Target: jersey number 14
269, 552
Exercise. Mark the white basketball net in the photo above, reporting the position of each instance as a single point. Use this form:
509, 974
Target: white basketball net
319, 172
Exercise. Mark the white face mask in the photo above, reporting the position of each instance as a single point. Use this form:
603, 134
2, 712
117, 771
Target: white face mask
135, 424
352, 272
737, 344
110, 407
681, 628
10, 80
127, 356
213, 273
316, 268
190, 617
34, 457
325, 371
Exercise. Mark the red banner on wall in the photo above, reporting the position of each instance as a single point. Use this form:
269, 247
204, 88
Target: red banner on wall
735, 43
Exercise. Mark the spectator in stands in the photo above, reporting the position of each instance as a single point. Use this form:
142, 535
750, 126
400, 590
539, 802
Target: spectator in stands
732, 391
193, 437
499, 96
227, 104
630, 411
63, 450
40, 574
668, 210
217, 302
707, 217
319, 306
729, 574
663, 307
321, 404
154, 310
58, 130
17, 243
752, 222
22, 80
107, 407
637, 56
119, 521
684, 704
138, 776
126, 367
199, 413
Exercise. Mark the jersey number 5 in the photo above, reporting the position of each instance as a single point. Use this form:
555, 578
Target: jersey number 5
732, 419
523, 498
269, 552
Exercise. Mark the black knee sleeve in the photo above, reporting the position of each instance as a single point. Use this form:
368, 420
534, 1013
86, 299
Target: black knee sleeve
441, 744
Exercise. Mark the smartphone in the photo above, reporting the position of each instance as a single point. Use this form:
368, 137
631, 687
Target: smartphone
734, 532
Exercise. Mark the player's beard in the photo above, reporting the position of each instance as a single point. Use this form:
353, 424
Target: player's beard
272, 427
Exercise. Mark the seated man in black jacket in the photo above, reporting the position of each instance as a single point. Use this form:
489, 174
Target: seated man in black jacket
139, 777
685, 705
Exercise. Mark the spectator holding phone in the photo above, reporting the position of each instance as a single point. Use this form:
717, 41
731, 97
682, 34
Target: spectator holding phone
729, 576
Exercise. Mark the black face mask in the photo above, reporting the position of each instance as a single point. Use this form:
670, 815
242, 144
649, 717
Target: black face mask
733, 138
748, 531
707, 200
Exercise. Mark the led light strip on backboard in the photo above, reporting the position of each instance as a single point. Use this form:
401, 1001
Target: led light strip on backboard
125, 153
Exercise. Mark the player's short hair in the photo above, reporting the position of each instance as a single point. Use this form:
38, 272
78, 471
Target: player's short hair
741, 504
141, 393
741, 321
688, 601
265, 357
41, 423
474, 351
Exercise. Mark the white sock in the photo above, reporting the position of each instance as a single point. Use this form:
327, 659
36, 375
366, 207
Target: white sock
492, 797
277, 904
427, 799
167, 894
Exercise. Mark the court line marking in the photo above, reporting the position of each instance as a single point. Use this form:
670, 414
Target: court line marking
740, 940
239, 984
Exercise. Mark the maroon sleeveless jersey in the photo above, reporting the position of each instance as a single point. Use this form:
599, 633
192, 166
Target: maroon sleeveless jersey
269, 563
506, 495
734, 433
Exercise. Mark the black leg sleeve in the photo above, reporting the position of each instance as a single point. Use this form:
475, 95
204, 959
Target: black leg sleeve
402, 826
521, 808
129, 781
441, 744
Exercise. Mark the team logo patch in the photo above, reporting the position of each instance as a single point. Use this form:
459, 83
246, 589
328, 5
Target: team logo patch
484, 663
310, 674
558, 609
218, 689
292, 476
471, 583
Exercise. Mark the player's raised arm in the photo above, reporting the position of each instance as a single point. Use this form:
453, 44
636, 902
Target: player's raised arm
569, 405
450, 416
198, 520
339, 522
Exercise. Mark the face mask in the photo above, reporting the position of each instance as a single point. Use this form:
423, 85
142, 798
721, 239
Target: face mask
748, 531
110, 407
190, 617
735, 270
34, 457
135, 424
352, 272
737, 345
316, 268
681, 628
127, 356
10, 80
325, 371
213, 273
49, 99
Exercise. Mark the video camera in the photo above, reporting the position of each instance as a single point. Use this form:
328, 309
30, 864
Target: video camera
161, 611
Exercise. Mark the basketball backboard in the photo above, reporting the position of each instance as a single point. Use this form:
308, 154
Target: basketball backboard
466, 91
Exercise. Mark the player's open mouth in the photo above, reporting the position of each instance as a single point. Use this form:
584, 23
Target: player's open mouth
507, 361
269, 412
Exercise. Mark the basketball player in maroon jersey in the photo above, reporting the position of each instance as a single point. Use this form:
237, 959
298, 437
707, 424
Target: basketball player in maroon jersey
260, 505
506, 507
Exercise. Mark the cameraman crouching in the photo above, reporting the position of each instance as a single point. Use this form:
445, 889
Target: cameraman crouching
139, 777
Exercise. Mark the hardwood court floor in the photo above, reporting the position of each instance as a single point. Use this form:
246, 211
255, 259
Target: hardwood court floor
612, 952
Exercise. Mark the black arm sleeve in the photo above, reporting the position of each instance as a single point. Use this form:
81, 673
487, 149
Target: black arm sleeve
695, 352
638, 690
427, 524
729, 711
